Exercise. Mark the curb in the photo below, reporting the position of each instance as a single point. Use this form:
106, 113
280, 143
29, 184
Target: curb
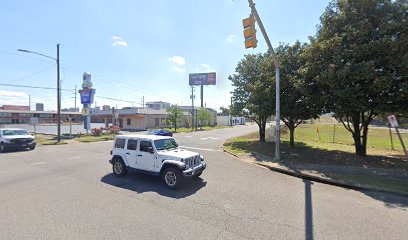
323, 180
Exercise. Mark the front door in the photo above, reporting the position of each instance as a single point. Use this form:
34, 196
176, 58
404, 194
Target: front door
145, 156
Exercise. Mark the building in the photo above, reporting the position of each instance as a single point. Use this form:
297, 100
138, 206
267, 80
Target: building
15, 107
24, 116
39, 107
157, 105
228, 120
132, 119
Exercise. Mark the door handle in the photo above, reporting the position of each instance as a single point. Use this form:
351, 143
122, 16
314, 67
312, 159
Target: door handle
127, 153
139, 155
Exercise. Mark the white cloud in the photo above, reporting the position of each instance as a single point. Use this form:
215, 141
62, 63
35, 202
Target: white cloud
177, 59
230, 38
13, 98
203, 65
118, 41
179, 70
11, 94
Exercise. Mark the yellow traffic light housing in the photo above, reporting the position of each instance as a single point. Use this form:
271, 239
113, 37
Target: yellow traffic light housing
249, 32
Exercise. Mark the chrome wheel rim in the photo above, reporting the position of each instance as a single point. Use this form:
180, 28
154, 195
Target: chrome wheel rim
170, 179
1, 147
118, 168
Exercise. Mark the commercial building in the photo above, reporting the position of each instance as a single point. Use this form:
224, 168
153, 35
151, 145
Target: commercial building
157, 105
228, 120
24, 117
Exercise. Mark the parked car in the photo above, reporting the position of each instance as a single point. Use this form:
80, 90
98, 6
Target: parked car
160, 132
155, 155
14, 138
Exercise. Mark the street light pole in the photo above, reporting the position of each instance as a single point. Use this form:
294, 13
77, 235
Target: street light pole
58, 97
58, 87
277, 76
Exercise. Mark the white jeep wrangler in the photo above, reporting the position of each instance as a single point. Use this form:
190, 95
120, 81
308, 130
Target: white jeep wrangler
155, 155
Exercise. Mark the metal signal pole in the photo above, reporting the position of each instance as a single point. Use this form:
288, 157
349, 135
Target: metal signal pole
277, 74
58, 97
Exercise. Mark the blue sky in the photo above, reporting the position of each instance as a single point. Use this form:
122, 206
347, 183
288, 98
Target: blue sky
137, 48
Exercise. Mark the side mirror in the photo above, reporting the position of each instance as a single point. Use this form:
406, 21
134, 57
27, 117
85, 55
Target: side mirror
150, 149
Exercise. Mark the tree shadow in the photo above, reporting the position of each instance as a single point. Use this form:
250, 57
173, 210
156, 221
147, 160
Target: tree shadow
338, 165
141, 183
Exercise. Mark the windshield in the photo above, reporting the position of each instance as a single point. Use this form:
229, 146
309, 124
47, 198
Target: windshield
164, 144
15, 132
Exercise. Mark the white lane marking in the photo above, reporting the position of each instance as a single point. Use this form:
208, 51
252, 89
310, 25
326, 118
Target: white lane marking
73, 158
204, 138
101, 153
188, 136
205, 149
214, 138
39, 163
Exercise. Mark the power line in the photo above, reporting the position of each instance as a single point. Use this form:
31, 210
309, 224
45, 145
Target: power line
115, 99
37, 87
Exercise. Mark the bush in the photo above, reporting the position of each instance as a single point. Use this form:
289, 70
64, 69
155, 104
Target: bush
114, 130
96, 131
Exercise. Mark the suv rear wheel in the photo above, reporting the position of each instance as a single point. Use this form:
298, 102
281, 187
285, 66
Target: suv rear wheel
171, 177
119, 167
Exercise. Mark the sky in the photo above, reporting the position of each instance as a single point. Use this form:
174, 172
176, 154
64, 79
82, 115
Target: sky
136, 49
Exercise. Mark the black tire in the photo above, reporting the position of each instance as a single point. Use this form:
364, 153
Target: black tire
171, 177
2, 148
32, 148
119, 167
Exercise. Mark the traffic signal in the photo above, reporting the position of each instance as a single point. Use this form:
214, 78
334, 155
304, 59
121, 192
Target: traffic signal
250, 32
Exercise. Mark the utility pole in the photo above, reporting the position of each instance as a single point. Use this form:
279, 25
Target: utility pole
277, 72
75, 97
202, 95
29, 102
143, 102
58, 97
192, 108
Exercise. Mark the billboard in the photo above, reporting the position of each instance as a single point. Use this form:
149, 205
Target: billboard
202, 78
87, 96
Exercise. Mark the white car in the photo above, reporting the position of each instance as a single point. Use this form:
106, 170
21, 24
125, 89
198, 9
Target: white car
14, 138
155, 155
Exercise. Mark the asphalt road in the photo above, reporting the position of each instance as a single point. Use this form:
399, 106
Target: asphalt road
69, 192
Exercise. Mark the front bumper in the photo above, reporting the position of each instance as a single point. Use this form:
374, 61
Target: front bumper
19, 145
191, 172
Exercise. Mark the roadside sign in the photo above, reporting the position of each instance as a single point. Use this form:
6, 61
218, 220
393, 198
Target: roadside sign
393, 121
87, 96
116, 115
86, 111
34, 120
202, 78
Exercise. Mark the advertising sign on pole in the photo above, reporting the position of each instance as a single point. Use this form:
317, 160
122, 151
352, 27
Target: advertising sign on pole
86, 111
202, 78
393, 121
34, 120
87, 96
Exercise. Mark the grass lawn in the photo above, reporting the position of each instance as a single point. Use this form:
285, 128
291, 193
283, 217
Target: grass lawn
90, 138
47, 139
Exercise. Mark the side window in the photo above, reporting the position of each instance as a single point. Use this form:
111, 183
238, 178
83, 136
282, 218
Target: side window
132, 144
120, 143
144, 145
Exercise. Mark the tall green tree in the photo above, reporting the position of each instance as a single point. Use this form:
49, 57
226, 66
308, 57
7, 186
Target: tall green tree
253, 96
204, 116
359, 60
298, 97
174, 115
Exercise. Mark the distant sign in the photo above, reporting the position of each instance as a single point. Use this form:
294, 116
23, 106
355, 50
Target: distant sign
86, 80
202, 78
87, 96
393, 121
86, 111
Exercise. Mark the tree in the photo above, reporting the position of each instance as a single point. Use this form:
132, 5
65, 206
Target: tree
204, 116
225, 111
174, 114
254, 90
298, 101
359, 60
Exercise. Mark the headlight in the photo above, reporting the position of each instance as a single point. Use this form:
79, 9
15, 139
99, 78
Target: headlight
201, 157
7, 140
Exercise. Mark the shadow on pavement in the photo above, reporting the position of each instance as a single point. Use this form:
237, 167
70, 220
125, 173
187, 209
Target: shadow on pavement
308, 210
140, 183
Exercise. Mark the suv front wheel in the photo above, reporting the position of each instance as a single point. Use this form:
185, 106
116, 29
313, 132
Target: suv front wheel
119, 167
171, 177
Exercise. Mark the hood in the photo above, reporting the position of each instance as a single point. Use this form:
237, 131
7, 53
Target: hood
177, 153
18, 136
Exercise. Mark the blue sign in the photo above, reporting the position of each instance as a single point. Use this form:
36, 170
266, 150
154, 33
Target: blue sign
87, 96
202, 78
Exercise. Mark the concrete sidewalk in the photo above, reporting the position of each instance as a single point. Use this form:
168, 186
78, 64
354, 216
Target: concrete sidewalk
343, 176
